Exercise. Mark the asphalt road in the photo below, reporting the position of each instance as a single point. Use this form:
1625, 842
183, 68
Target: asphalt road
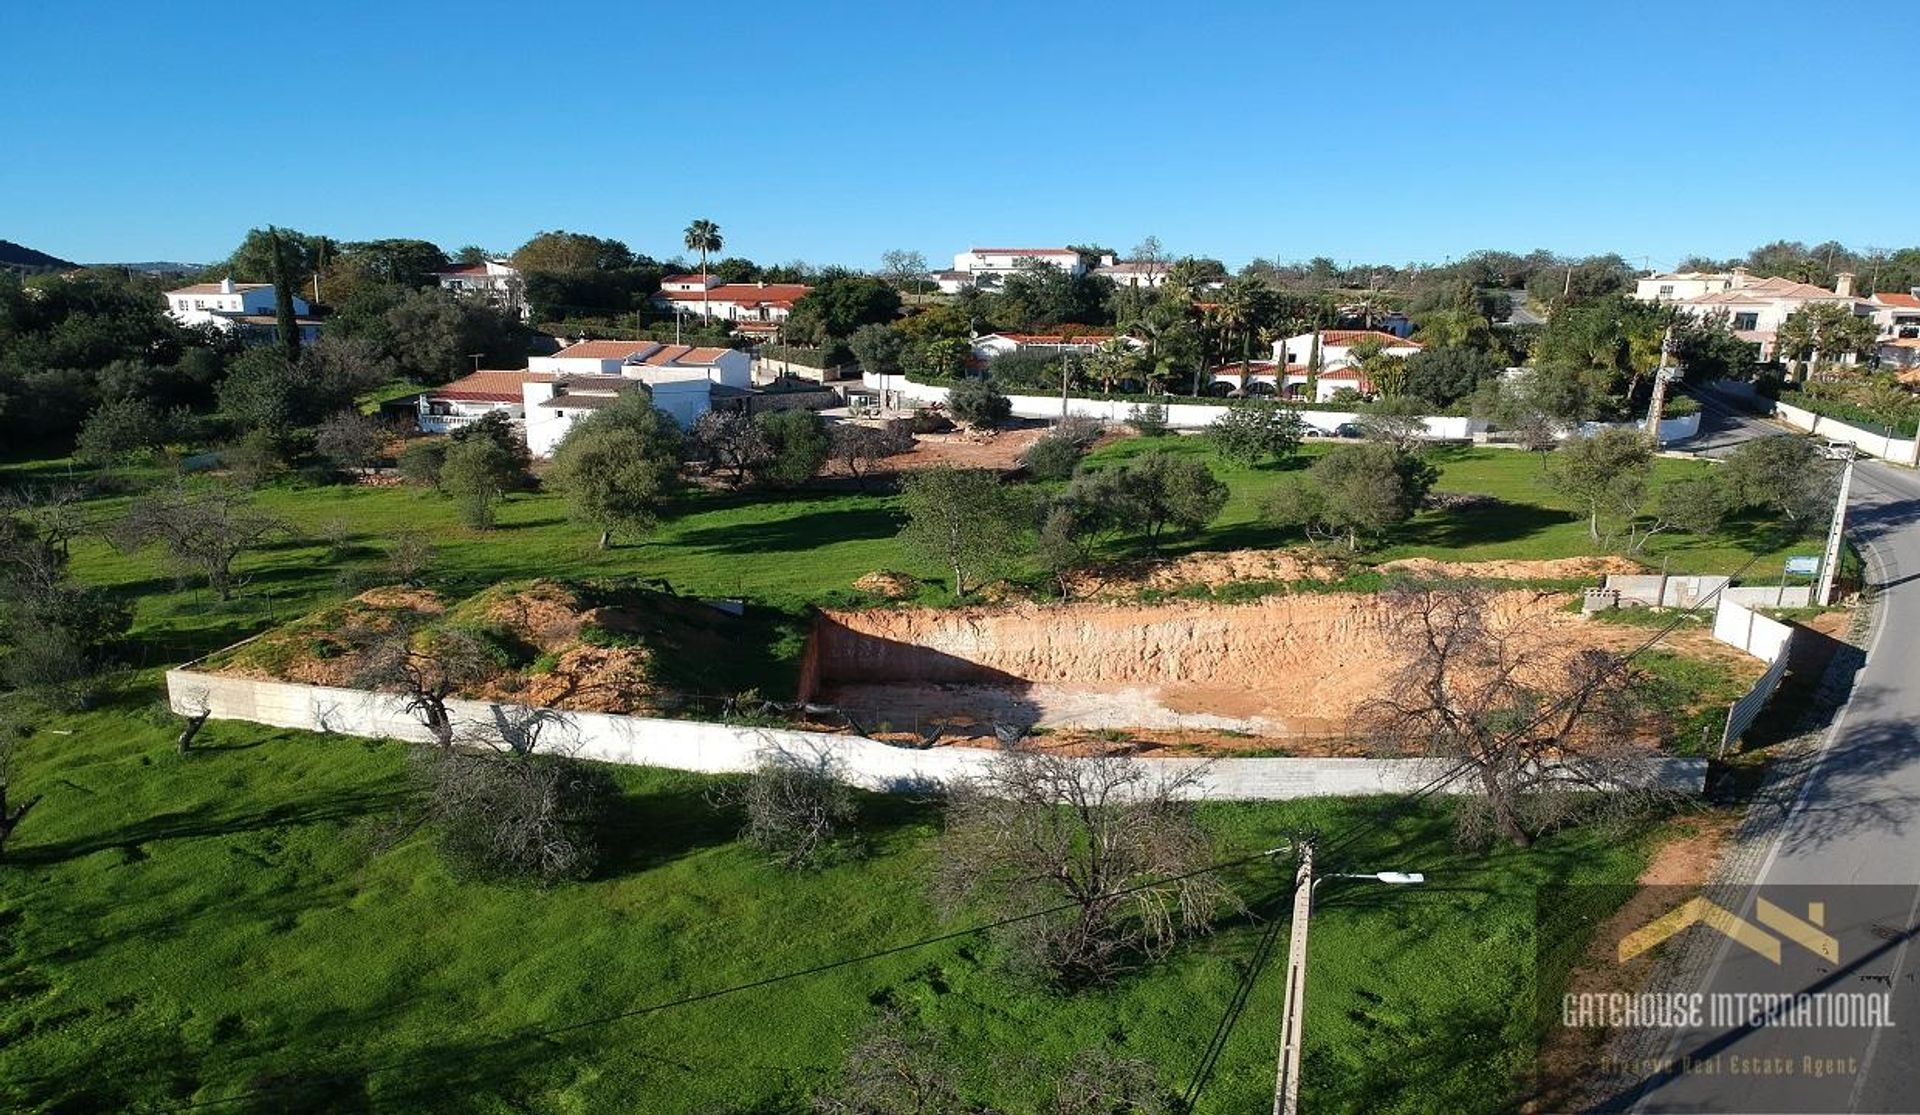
1853, 824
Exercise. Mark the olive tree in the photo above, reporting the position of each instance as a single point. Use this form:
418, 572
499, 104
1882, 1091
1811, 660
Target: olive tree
202, 530
962, 519
1112, 844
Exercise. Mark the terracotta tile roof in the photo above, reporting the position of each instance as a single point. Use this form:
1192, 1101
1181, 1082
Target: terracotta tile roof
464, 269
604, 350
214, 288
1349, 337
746, 294
577, 402
488, 387
680, 279
1766, 290
1903, 301
1091, 337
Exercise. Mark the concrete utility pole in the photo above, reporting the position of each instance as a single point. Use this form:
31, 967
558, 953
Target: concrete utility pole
1830, 561
1661, 375
1286, 1084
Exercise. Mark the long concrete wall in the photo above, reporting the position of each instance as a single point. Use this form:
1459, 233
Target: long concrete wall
1899, 451
901, 391
726, 748
1738, 625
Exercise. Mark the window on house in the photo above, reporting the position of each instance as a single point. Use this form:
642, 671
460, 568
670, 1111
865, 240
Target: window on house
1746, 321
1666, 290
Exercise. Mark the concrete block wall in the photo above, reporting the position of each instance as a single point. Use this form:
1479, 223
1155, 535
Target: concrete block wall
1180, 416
725, 748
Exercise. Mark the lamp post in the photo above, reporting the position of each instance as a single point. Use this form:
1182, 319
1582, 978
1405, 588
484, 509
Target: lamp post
1836, 530
1286, 1084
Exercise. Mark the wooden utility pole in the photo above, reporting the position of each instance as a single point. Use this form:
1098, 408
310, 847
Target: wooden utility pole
1286, 1083
1658, 405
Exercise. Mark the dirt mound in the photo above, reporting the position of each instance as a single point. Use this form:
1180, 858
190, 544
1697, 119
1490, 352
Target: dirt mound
583, 679
1553, 569
888, 584
402, 598
1210, 568
546, 614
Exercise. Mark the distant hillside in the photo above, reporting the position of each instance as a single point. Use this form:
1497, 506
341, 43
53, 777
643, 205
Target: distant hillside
158, 267
19, 257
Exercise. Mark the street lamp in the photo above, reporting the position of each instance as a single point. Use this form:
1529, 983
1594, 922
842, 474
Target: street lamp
1286, 1085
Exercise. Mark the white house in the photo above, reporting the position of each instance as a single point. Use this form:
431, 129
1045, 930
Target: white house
450, 406
243, 308
990, 345
1336, 347
1139, 273
1898, 316
686, 382
1264, 377
750, 307
1678, 286
494, 280
987, 268
1756, 308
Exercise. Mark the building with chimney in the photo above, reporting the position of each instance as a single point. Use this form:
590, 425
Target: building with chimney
1756, 308
245, 309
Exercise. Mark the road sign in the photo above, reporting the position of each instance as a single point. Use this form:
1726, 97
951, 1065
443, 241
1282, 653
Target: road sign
1808, 564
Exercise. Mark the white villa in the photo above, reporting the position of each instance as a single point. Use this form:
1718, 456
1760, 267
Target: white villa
1151, 273
1287, 374
494, 280
554, 392
1678, 286
990, 345
987, 268
750, 307
1756, 308
1898, 316
246, 308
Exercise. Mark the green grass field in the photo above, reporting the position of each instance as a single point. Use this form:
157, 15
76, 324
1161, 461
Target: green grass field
180, 929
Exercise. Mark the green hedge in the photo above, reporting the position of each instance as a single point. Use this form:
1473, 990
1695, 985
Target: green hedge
794, 354
1901, 426
1457, 410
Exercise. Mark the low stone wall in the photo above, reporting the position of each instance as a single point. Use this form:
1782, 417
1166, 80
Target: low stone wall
725, 748
1656, 591
903, 392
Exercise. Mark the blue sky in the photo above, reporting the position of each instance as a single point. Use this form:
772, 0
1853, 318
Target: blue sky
833, 131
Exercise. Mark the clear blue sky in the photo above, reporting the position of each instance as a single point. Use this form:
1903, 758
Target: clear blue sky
831, 132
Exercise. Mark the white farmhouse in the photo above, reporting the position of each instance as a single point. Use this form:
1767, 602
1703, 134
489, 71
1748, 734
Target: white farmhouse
1336, 347
990, 345
451, 406
988, 268
1137, 273
749, 307
494, 281
246, 309
686, 382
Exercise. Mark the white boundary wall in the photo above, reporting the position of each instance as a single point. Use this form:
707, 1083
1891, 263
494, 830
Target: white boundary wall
725, 748
1896, 450
1766, 639
1180, 416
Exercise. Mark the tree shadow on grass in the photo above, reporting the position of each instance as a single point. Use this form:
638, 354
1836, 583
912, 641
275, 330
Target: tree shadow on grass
1479, 526
189, 824
797, 532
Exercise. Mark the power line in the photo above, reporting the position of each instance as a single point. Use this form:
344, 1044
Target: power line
1235, 1007
751, 985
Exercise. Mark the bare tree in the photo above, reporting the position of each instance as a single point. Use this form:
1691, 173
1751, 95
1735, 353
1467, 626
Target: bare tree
427, 669
797, 807
50, 517
505, 808
897, 1068
13, 733
1107, 841
730, 440
351, 440
859, 447
202, 529
409, 555
1545, 734
1099, 1083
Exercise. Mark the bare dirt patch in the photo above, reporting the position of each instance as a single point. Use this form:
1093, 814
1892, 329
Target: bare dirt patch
1686, 856
888, 584
993, 449
1549, 569
1214, 569
1283, 668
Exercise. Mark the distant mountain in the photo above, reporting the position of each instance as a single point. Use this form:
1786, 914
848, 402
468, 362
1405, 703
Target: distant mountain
19, 257
158, 267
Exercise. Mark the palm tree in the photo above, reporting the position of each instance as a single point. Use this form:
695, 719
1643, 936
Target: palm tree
703, 236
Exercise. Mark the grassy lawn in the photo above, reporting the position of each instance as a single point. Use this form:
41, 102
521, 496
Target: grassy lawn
182, 928
1531, 522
